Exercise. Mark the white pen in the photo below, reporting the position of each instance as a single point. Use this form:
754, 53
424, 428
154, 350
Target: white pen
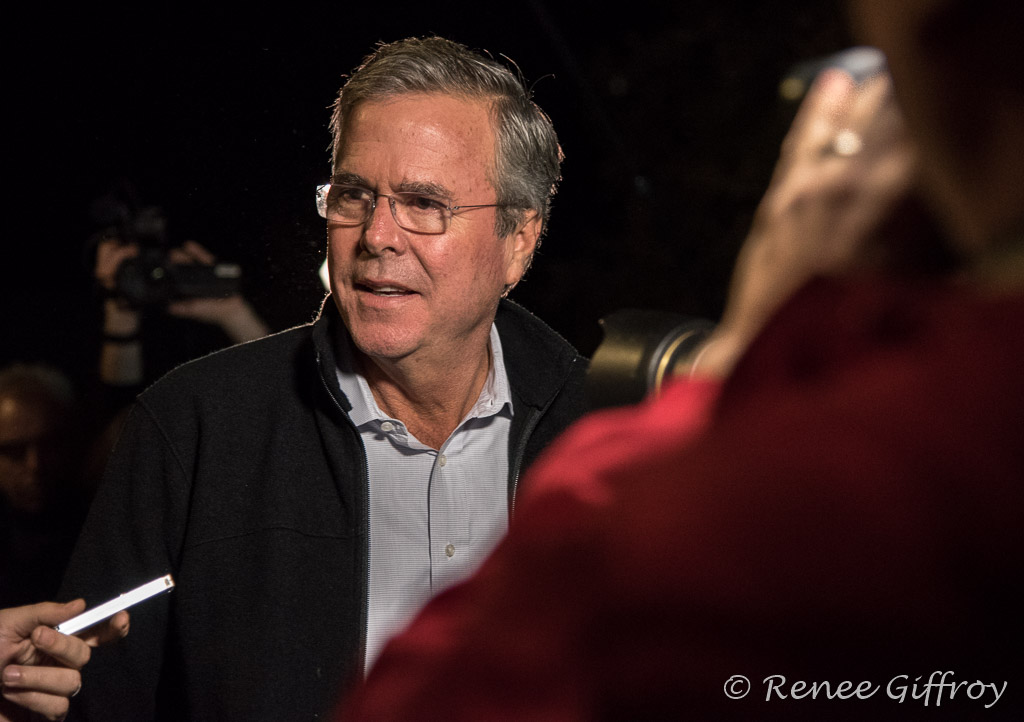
108, 609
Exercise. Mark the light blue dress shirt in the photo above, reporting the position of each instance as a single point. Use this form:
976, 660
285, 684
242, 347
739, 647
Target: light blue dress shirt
434, 514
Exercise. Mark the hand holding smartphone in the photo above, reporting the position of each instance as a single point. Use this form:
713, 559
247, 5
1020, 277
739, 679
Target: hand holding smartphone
91, 617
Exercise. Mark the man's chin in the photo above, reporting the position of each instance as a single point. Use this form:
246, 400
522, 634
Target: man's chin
383, 342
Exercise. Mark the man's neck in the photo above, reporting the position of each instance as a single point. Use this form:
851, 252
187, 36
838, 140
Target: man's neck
431, 399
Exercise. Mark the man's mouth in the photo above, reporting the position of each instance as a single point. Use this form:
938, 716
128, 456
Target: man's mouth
385, 290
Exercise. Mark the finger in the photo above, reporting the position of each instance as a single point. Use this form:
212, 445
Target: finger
886, 155
116, 249
52, 614
51, 707
111, 630
20, 621
198, 252
108, 260
180, 256
821, 114
126, 251
875, 115
182, 308
59, 681
67, 650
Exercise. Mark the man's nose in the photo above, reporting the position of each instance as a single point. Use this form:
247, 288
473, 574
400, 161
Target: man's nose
381, 231
32, 454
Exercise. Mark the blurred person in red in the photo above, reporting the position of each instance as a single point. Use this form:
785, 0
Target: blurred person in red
839, 534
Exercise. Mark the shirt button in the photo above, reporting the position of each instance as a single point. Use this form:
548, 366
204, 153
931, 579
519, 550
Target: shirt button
387, 426
450, 550
441, 461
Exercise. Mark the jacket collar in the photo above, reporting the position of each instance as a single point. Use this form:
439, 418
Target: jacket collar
537, 359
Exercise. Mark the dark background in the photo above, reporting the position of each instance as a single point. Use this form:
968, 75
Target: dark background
668, 114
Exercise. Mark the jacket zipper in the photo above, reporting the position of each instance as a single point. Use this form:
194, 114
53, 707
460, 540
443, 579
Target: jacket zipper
366, 522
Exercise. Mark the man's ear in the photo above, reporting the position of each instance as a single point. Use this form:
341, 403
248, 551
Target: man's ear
523, 243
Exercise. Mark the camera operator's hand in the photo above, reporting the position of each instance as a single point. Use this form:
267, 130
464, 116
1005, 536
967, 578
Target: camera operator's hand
232, 313
844, 165
119, 318
110, 254
121, 353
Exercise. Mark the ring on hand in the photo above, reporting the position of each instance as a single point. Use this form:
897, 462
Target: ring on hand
846, 143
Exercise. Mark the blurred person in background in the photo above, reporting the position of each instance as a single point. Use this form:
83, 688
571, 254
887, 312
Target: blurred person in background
42, 500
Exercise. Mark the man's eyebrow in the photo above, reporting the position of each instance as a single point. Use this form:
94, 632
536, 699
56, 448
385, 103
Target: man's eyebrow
427, 188
350, 179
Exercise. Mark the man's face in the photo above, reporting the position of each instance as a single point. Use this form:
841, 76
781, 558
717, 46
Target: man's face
27, 453
404, 294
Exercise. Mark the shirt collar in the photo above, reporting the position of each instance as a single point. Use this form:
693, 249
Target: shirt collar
495, 396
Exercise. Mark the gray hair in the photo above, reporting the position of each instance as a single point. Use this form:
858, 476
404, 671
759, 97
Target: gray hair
527, 157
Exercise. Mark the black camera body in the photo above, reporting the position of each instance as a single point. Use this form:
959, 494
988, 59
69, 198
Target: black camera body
151, 278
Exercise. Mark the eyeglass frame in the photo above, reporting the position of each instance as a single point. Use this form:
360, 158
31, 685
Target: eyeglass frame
324, 189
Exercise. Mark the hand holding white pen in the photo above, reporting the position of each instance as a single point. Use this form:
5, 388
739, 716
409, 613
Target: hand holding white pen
39, 667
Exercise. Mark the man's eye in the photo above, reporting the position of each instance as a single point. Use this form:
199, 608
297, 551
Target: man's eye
424, 204
351, 195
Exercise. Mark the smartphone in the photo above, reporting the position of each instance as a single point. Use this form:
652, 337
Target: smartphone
89, 617
861, 63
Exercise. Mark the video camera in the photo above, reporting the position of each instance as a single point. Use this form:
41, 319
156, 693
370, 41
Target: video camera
151, 277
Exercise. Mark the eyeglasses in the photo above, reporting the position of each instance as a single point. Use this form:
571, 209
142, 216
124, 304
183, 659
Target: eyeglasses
350, 205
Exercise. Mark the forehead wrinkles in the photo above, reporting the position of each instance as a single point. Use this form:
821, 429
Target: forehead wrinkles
433, 121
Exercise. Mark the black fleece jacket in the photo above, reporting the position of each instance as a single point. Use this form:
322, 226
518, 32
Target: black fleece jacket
241, 474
